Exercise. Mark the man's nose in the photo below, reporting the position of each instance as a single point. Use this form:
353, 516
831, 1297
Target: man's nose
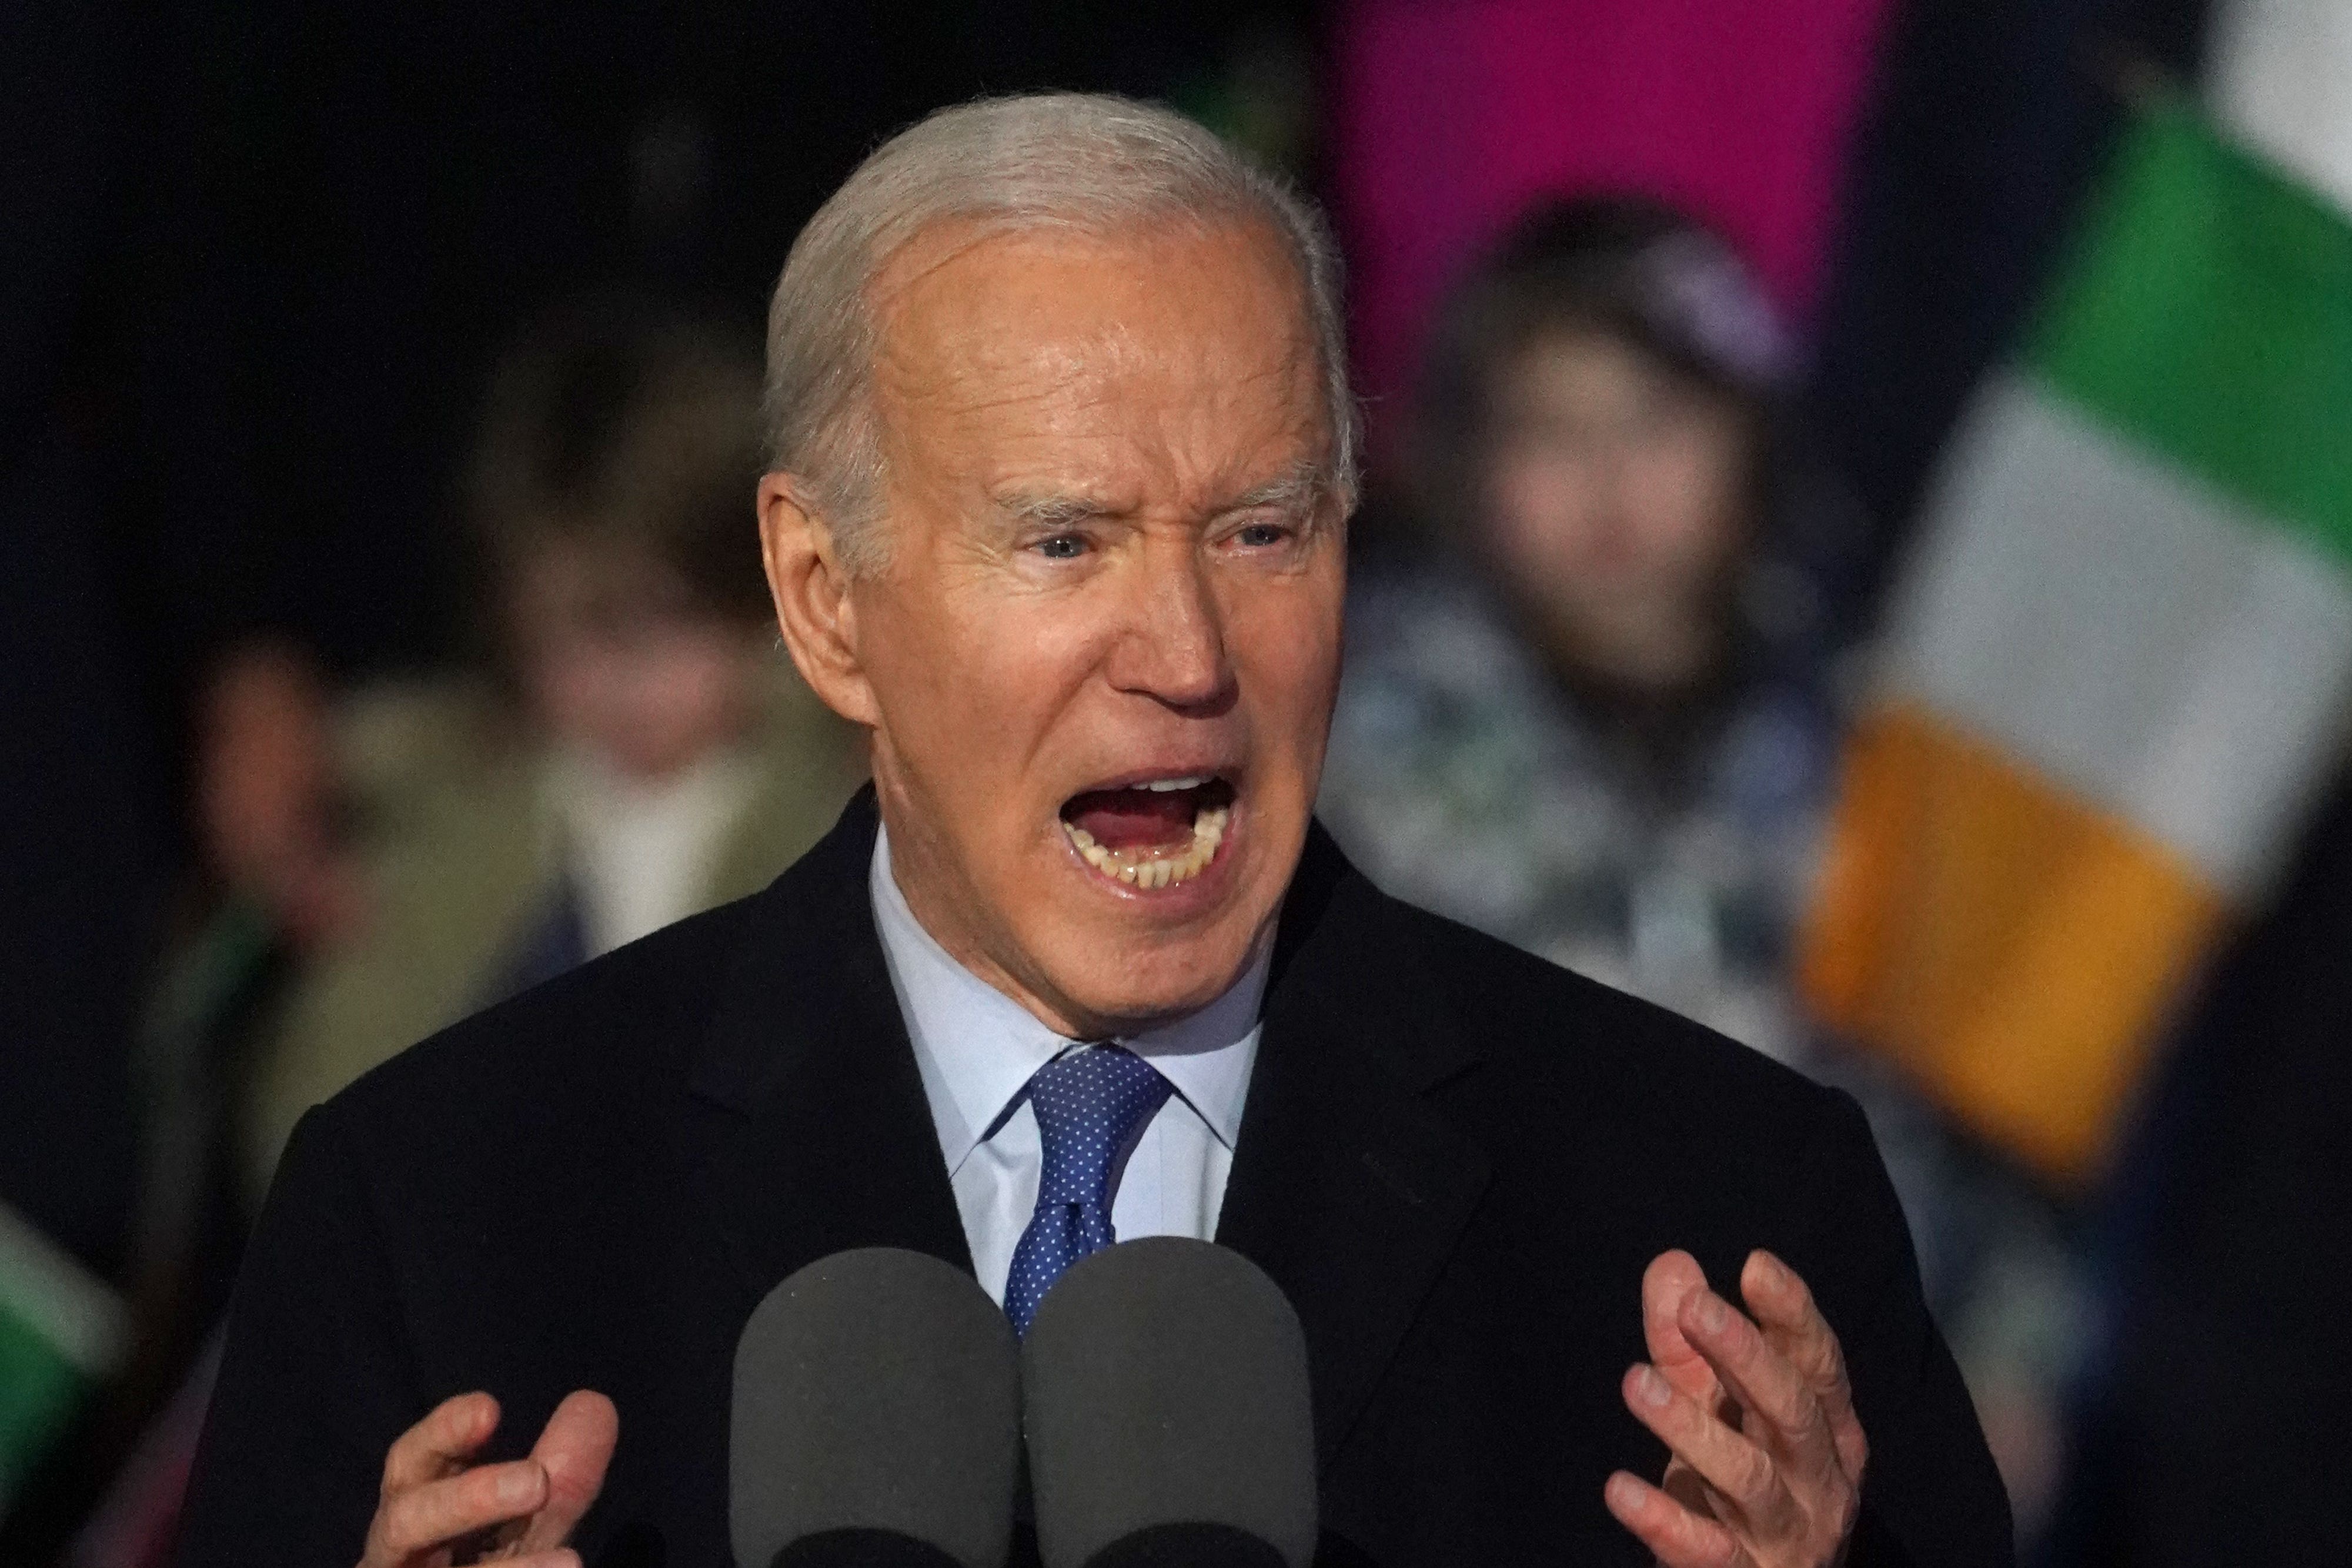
1173, 650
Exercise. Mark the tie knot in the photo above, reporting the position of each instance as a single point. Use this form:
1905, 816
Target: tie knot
1089, 1105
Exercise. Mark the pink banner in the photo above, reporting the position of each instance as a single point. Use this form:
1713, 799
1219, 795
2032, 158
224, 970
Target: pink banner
1452, 115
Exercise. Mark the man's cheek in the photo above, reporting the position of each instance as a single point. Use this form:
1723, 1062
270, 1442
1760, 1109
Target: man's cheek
1298, 674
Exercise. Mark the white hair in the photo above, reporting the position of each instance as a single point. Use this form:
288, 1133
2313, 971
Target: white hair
1089, 163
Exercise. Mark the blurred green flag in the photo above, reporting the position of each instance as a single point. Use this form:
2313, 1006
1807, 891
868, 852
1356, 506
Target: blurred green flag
61, 1328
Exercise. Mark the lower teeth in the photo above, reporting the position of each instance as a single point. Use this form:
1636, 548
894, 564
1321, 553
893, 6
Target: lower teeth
1159, 870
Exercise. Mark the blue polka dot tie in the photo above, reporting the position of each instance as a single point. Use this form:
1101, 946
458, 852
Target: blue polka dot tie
1089, 1105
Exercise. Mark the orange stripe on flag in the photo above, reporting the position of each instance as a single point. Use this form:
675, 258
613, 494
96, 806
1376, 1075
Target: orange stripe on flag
2010, 946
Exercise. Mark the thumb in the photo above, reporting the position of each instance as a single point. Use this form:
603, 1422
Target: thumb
575, 1448
1670, 1279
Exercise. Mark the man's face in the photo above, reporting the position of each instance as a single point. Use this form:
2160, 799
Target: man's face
1101, 661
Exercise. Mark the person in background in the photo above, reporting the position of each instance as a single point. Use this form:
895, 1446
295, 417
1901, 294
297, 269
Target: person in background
634, 751
630, 748
1589, 714
1591, 706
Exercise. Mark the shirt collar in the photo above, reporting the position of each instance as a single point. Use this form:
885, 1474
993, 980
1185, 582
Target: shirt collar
977, 1048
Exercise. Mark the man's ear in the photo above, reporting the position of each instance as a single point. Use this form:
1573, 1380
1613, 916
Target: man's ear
811, 593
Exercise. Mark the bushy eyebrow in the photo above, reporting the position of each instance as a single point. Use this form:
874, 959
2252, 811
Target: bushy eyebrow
1297, 488
1050, 511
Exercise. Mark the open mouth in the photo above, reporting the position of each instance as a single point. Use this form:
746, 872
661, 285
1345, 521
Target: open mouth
1153, 834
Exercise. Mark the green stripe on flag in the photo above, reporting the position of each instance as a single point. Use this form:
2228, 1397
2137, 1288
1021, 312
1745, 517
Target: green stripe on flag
2206, 311
61, 1331
40, 1389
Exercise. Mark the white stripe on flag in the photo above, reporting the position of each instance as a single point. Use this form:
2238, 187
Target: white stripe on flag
2117, 623
65, 1303
2279, 78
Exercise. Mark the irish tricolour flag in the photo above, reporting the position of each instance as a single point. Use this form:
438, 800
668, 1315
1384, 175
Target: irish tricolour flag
2122, 664
61, 1329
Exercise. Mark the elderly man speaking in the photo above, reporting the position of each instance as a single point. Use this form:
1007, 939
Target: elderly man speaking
1064, 455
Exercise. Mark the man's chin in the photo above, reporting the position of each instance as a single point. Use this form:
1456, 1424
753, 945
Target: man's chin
1150, 985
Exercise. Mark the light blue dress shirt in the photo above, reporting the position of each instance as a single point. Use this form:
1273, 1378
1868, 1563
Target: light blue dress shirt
977, 1050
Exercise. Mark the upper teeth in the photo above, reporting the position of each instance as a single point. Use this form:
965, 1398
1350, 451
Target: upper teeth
1163, 786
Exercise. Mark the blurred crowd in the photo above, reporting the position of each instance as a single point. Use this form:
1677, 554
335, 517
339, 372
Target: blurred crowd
388, 630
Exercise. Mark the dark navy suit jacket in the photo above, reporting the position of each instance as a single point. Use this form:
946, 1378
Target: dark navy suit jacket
1456, 1160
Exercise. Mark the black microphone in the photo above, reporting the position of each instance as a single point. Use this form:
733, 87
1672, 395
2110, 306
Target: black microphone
877, 1419
1164, 1393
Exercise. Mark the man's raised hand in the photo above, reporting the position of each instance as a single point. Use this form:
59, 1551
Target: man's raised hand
436, 1501
1768, 1455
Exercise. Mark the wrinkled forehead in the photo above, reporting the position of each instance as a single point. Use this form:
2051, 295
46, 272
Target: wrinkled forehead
1182, 332
1126, 243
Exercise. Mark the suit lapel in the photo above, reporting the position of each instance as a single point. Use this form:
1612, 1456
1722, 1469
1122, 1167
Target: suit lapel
813, 1134
813, 1130
1346, 1187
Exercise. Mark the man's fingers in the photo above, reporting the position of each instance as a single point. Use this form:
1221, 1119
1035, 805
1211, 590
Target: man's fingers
1688, 1488
441, 1443
1741, 1473
437, 1512
1758, 1416
573, 1448
1678, 1537
1672, 1279
1762, 1381
1784, 1306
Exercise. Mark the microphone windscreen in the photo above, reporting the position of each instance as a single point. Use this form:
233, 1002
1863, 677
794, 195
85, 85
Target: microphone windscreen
876, 1417
1165, 1396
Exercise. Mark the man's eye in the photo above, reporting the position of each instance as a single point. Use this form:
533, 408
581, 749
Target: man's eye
1261, 536
1062, 547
